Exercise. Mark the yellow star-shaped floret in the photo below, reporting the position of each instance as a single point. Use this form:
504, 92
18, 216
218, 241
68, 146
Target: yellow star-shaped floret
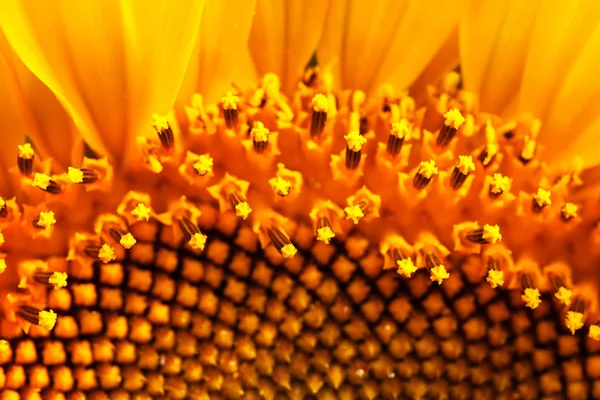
280, 186
288, 251
495, 278
465, 165
106, 253
574, 321
46, 219
427, 169
401, 129
569, 210
26, 151
58, 280
41, 181
499, 183
160, 122
531, 298
355, 141
325, 234
259, 133
47, 319
204, 164
75, 175
454, 118
229, 101
406, 267
563, 295
141, 212
320, 103
354, 213
491, 233
542, 197
439, 274
197, 241
127, 241
243, 210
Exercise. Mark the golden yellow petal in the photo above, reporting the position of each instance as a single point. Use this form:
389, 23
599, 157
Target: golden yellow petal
284, 36
494, 40
111, 64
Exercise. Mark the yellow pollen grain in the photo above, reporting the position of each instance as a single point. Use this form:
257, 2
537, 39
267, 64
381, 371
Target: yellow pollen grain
259, 133
439, 274
499, 183
2, 265
465, 165
288, 251
106, 253
569, 210
491, 233
75, 175
320, 103
594, 332
229, 101
204, 164
47, 319
574, 321
4, 347
406, 267
41, 181
454, 118
531, 298
127, 241
355, 141
243, 210
26, 151
542, 197
354, 213
141, 212
325, 234
427, 169
495, 278
159, 122
58, 280
46, 219
563, 295
280, 186
401, 129
197, 241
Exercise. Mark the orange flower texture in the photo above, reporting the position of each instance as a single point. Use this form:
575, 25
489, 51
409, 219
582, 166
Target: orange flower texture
299, 199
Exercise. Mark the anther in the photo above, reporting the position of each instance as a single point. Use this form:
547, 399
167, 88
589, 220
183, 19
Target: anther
530, 295
45, 319
260, 137
57, 280
25, 159
45, 220
104, 253
541, 199
354, 143
195, 238
425, 173
397, 136
568, 211
453, 121
488, 154
574, 318
461, 171
240, 205
436, 268
324, 231
164, 131
498, 185
320, 106
203, 165
82, 175
125, 239
141, 212
229, 103
282, 242
495, 276
404, 264
487, 234
561, 292
356, 212
280, 186
46, 183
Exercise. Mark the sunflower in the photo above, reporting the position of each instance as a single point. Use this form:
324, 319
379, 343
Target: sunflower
192, 209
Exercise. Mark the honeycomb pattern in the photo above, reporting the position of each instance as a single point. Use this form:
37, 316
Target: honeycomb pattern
238, 322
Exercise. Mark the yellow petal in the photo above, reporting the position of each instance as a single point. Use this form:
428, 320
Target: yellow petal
110, 63
220, 51
494, 40
284, 36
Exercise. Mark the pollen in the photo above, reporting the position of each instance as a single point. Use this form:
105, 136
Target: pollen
568, 211
47, 319
427, 169
355, 141
491, 233
320, 103
243, 210
495, 278
401, 129
288, 251
406, 267
141, 212
160, 122
354, 213
41, 181
439, 274
197, 241
574, 321
75, 175
325, 234
204, 164
454, 118
26, 151
127, 241
229, 101
542, 197
58, 280
280, 186
594, 332
465, 165
531, 298
563, 295
46, 219
499, 184
2, 265
259, 133
106, 253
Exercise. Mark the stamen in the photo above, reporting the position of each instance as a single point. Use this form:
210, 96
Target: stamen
282, 242
397, 136
203, 165
495, 277
104, 253
454, 120
280, 186
574, 321
563, 295
427, 170
46, 183
45, 319
240, 205
498, 185
82, 175
531, 295
45, 220
25, 159
354, 143
488, 154
461, 171
125, 239
56, 279
487, 234
594, 332
163, 130
320, 106
568, 212
141, 212
404, 264
324, 231
436, 268
229, 103
260, 137
541, 199
195, 238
